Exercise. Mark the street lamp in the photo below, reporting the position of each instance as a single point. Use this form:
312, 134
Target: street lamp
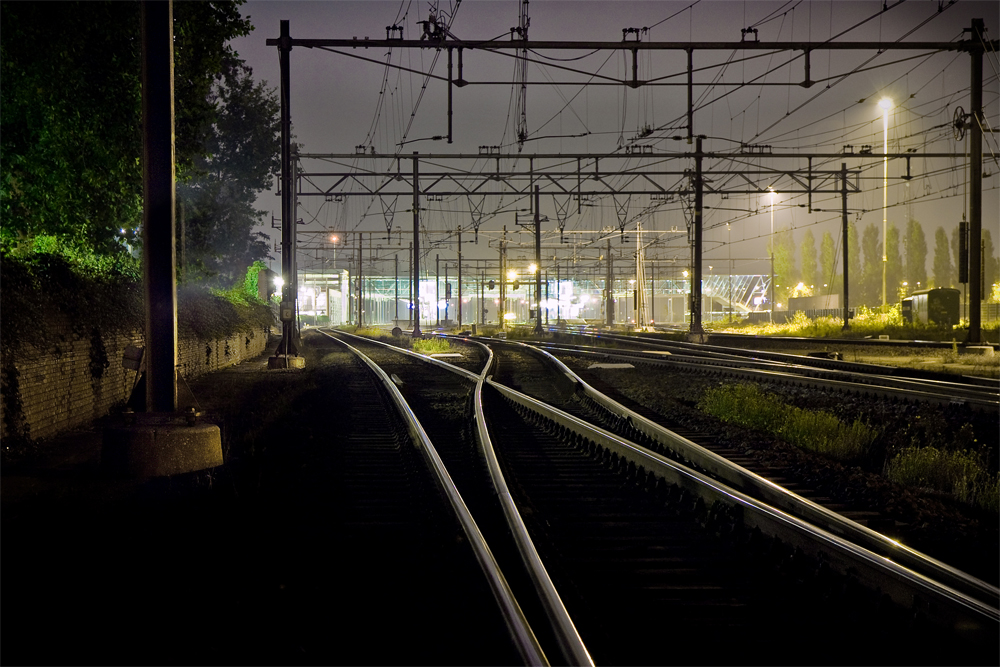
886, 105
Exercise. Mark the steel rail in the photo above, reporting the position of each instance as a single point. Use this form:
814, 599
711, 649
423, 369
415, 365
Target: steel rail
568, 638
755, 485
520, 631
891, 387
905, 587
936, 391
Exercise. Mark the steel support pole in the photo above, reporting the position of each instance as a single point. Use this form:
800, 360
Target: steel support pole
609, 298
415, 284
696, 327
159, 257
976, 184
460, 277
538, 266
287, 345
843, 221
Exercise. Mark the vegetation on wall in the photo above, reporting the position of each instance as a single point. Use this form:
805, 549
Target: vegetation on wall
45, 294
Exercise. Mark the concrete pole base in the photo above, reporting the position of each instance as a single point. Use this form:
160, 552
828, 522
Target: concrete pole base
697, 337
285, 361
159, 445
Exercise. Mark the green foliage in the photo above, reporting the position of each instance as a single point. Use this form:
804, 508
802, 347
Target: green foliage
942, 268
218, 198
251, 283
827, 260
817, 431
431, 345
785, 276
43, 291
808, 252
915, 247
70, 115
963, 474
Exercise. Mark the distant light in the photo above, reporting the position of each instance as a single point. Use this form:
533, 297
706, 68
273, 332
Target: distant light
885, 103
512, 274
685, 274
532, 268
509, 316
333, 239
279, 282
122, 231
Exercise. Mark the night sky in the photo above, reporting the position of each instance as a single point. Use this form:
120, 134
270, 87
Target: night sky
336, 106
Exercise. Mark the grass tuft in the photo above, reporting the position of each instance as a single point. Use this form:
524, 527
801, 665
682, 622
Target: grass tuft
962, 474
816, 431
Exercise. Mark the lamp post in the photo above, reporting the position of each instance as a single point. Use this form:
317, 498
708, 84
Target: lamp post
886, 104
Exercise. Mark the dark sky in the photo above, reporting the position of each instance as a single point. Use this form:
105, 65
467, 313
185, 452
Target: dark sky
335, 104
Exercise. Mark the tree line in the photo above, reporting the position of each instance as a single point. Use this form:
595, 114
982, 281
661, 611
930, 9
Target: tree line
816, 272
71, 136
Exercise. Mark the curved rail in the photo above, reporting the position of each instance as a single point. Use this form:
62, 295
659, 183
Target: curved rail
568, 638
765, 490
909, 589
930, 391
521, 633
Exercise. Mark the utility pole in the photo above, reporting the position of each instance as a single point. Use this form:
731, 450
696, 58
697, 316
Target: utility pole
460, 276
538, 267
286, 347
437, 285
696, 327
976, 183
609, 292
361, 252
415, 280
502, 308
409, 309
843, 221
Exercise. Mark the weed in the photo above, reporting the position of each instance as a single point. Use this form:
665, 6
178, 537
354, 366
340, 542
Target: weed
431, 345
816, 431
962, 474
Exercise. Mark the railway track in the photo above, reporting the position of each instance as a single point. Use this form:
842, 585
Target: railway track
656, 562
828, 374
410, 581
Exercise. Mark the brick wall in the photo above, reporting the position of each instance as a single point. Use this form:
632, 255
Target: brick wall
78, 379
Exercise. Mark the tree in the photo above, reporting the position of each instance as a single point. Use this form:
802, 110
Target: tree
915, 248
956, 251
244, 144
854, 259
943, 272
784, 265
828, 261
893, 265
991, 263
70, 113
870, 293
808, 251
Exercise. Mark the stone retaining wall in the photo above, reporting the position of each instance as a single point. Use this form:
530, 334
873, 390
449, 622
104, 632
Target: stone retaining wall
80, 378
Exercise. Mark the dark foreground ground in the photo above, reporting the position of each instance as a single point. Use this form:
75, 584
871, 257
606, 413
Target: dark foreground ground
214, 568
243, 565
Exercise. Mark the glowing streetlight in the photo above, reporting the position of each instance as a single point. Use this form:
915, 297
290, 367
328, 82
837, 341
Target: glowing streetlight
886, 105
512, 275
532, 268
